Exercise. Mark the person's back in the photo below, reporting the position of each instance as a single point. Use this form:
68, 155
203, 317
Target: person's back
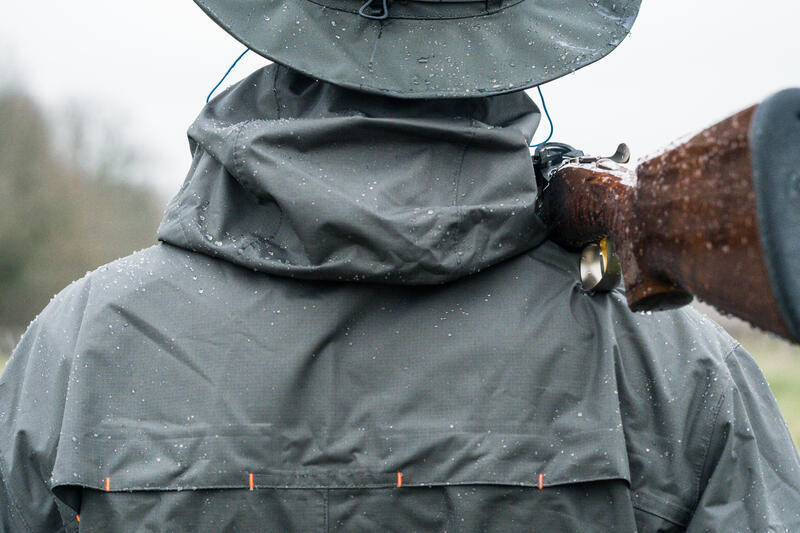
354, 321
389, 388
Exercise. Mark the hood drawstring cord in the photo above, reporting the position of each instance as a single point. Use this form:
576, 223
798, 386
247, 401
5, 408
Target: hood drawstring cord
226, 75
547, 114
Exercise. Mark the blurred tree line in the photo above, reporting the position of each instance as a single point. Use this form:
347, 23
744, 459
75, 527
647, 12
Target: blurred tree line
65, 207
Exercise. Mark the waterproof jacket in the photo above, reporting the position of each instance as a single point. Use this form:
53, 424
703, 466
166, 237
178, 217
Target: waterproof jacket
354, 322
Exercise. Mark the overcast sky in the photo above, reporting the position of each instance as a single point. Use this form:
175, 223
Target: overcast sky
148, 65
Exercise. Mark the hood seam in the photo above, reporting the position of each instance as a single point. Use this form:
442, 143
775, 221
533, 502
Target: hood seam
457, 241
275, 93
238, 163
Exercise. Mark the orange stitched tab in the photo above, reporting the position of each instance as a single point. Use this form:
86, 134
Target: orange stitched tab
541, 477
252, 484
78, 517
108, 484
399, 479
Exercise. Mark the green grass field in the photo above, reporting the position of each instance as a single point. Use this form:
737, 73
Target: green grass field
779, 360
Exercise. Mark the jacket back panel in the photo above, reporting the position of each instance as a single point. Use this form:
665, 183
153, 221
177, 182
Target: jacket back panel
206, 396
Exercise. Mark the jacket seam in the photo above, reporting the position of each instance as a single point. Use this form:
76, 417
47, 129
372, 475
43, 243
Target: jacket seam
457, 186
275, 93
15, 509
236, 155
662, 516
457, 175
703, 466
123, 434
730, 353
184, 231
238, 164
326, 511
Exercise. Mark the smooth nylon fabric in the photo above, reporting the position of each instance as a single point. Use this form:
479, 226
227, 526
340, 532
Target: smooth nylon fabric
213, 384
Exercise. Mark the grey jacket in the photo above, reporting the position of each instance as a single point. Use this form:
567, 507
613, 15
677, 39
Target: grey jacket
354, 322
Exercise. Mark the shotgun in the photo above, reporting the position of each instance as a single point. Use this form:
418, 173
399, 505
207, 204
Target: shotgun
716, 216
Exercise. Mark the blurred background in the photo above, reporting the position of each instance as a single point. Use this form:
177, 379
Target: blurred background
96, 96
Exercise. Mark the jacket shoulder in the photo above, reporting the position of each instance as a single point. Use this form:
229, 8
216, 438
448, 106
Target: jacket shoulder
675, 374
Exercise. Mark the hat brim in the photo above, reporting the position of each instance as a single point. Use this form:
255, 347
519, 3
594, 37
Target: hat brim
523, 44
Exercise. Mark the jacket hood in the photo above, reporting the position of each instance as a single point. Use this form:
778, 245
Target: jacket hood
297, 177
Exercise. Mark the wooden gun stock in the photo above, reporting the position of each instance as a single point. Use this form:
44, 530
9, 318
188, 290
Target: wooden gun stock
717, 216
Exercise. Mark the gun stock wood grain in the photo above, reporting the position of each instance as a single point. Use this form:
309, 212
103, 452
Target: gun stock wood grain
684, 223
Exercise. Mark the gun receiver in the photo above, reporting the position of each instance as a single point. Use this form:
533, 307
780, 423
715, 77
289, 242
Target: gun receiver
717, 216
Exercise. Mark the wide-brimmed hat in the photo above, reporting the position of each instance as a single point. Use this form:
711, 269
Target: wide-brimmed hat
429, 48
